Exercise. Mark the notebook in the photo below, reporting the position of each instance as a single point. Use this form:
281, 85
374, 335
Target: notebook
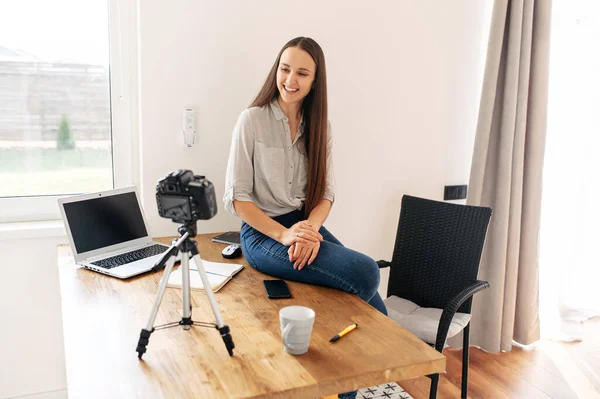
218, 275
231, 237
108, 232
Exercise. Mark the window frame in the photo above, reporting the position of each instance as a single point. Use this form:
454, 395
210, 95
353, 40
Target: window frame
124, 108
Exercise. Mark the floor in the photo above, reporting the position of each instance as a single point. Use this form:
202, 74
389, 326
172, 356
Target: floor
557, 370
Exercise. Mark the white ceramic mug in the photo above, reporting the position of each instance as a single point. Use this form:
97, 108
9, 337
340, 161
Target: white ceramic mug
296, 327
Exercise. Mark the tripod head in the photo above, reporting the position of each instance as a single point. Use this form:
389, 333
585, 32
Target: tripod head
187, 231
189, 227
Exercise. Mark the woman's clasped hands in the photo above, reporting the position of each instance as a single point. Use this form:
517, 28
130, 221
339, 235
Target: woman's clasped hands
304, 242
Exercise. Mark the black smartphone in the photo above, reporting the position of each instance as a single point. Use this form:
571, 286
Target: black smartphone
277, 289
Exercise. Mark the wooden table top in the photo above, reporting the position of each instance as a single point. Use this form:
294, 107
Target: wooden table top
103, 317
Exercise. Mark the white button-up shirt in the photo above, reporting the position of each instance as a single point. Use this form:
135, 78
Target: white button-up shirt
266, 167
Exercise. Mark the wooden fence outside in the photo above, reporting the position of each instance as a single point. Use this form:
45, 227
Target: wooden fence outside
34, 97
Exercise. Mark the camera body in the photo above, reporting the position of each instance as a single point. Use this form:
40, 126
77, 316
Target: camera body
184, 197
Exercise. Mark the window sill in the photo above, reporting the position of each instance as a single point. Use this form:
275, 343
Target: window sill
25, 230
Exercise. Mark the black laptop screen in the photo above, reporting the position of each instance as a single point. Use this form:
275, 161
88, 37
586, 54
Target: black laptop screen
105, 221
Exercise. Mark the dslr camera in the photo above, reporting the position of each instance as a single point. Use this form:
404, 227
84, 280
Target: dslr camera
185, 198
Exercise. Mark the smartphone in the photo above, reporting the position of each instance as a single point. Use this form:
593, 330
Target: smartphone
277, 289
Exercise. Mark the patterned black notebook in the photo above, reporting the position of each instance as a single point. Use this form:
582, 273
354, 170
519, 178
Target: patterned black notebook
231, 237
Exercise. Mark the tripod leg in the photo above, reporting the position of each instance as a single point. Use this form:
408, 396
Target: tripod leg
186, 314
223, 329
209, 293
145, 334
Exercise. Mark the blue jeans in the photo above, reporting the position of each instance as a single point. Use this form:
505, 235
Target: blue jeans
335, 265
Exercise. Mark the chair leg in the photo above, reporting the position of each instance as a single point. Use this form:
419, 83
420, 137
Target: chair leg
465, 363
434, 385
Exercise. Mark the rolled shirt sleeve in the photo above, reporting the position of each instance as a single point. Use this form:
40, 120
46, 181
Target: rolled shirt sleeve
330, 183
239, 178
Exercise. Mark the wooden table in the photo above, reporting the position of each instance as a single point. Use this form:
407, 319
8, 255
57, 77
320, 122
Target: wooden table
103, 317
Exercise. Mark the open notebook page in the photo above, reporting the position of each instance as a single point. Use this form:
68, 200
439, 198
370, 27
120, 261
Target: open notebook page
218, 275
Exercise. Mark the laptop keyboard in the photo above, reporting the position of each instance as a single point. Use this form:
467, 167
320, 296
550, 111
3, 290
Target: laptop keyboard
129, 257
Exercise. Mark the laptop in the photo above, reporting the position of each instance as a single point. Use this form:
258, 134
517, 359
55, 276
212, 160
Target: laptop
109, 234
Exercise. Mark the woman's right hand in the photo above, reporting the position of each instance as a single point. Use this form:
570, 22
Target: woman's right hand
300, 232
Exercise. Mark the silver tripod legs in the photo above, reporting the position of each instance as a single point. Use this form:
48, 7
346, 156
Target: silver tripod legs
186, 311
209, 293
160, 293
187, 247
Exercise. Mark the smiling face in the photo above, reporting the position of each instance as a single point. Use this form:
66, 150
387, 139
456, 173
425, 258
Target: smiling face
295, 75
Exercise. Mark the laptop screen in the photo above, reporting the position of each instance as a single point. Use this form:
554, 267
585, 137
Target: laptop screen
105, 221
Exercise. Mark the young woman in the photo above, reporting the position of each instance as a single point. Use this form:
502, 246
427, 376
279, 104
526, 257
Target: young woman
280, 180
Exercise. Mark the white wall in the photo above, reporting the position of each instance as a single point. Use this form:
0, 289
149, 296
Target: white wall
32, 357
404, 83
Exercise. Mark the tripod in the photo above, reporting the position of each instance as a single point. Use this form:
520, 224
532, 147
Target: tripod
186, 246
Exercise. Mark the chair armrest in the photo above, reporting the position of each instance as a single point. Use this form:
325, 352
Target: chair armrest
451, 308
383, 264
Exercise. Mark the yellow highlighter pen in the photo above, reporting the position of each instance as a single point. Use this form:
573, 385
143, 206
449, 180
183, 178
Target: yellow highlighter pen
346, 331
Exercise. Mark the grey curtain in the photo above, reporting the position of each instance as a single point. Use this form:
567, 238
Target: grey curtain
506, 172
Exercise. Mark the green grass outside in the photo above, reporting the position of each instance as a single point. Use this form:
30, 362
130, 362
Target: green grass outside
25, 172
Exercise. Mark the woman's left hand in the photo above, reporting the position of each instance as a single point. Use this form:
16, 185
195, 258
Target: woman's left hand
303, 253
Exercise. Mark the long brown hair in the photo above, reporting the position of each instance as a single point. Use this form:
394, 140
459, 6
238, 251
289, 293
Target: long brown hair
314, 109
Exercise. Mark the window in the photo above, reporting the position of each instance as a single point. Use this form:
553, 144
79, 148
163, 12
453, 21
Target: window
63, 104
569, 233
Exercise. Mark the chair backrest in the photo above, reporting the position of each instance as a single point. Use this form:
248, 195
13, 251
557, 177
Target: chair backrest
437, 251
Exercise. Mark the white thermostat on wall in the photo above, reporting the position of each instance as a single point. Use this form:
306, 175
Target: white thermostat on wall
189, 126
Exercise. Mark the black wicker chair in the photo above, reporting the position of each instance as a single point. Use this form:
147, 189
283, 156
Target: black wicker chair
435, 265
